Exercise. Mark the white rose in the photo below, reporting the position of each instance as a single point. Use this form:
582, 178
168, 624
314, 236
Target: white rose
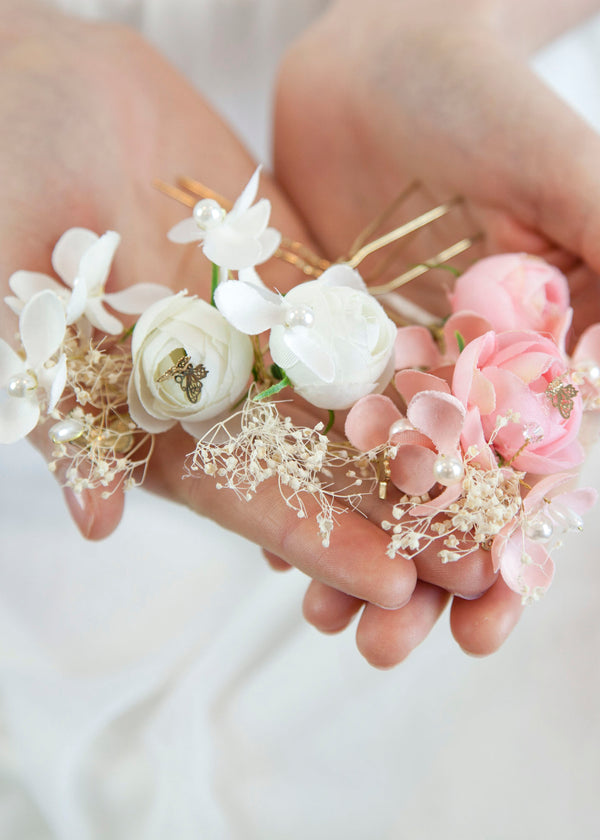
219, 365
330, 336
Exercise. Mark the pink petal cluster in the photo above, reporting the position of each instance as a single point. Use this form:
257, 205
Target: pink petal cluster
516, 292
432, 427
499, 375
524, 561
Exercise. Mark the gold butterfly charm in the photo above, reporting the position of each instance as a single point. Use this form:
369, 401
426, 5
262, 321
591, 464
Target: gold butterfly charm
561, 396
188, 376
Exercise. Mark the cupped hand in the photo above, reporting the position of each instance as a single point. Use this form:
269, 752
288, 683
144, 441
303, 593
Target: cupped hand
376, 96
89, 116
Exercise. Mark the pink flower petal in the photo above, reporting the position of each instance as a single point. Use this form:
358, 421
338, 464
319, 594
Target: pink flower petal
369, 420
415, 348
588, 346
525, 578
411, 382
439, 416
469, 325
412, 470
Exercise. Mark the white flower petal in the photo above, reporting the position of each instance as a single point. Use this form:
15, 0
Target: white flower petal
10, 363
18, 417
254, 221
247, 196
58, 379
341, 274
140, 416
186, 231
138, 298
249, 308
42, 327
77, 301
96, 261
26, 284
269, 241
69, 250
251, 276
101, 319
310, 349
14, 304
225, 247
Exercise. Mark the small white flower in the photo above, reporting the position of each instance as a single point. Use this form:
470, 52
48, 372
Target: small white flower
234, 240
210, 383
83, 260
42, 328
330, 336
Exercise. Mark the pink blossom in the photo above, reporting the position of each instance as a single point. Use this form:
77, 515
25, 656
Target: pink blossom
523, 378
516, 292
521, 550
432, 427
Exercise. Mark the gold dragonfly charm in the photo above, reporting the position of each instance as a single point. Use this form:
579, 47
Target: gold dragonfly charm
188, 376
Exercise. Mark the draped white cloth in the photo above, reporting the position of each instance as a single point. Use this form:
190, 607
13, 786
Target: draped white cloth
162, 684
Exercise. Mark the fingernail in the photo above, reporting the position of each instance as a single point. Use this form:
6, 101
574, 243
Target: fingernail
80, 510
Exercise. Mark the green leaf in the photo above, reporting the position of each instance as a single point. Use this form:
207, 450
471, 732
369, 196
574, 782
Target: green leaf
459, 340
274, 389
214, 282
330, 422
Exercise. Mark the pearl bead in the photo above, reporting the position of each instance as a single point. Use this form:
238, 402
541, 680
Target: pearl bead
593, 373
65, 431
208, 213
299, 316
539, 529
448, 470
399, 426
20, 384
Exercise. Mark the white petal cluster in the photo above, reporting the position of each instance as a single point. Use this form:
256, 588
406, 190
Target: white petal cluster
39, 378
83, 261
330, 336
235, 240
183, 324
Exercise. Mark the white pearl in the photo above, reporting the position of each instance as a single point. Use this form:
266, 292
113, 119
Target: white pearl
448, 470
65, 431
20, 384
399, 426
593, 373
299, 316
208, 213
539, 529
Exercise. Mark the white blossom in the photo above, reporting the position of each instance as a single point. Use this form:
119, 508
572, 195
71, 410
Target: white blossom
235, 240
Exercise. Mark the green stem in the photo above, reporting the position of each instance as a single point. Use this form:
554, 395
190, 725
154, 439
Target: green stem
274, 389
214, 282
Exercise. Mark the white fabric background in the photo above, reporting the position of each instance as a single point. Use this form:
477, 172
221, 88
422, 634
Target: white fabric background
162, 684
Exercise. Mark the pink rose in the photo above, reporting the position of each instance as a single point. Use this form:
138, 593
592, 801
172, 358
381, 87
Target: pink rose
499, 376
516, 292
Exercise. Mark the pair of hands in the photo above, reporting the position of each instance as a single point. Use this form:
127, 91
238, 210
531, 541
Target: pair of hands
89, 115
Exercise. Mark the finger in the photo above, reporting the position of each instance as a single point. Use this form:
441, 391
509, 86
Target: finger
468, 577
356, 561
327, 609
480, 627
386, 637
95, 516
276, 562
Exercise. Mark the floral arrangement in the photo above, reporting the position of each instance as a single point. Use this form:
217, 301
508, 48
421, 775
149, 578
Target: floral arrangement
467, 430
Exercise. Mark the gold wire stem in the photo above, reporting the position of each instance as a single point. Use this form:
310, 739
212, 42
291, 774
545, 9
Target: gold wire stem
174, 192
202, 191
304, 252
403, 230
435, 262
368, 232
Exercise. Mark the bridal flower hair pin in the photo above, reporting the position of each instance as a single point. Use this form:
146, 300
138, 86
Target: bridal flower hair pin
466, 429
